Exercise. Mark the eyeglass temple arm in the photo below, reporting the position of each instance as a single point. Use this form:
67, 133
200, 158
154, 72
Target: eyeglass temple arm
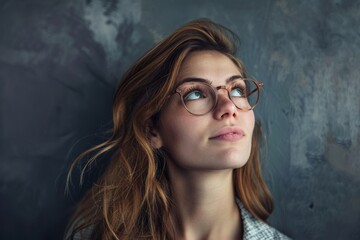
259, 86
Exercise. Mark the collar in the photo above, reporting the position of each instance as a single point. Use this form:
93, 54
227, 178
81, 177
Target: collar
255, 229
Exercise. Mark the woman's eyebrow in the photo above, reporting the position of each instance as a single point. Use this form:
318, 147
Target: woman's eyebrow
204, 80
194, 79
232, 78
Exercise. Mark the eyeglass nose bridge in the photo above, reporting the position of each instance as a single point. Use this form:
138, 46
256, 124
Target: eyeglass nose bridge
217, 95
221, 87
227, 90
229, 96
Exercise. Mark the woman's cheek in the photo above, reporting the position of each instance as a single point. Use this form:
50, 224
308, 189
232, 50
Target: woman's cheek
250, 120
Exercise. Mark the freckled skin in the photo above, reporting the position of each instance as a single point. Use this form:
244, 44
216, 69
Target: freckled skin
187, 137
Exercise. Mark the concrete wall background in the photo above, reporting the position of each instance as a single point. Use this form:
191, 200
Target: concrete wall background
60, 62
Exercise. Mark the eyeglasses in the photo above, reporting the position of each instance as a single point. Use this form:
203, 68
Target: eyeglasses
200, 98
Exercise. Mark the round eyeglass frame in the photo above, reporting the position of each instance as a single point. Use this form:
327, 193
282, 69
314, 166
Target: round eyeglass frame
259, 85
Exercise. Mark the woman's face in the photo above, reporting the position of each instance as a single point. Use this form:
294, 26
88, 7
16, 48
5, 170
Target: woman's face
220, 139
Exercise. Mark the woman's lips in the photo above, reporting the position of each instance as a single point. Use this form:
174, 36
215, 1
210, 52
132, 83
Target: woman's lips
228, 134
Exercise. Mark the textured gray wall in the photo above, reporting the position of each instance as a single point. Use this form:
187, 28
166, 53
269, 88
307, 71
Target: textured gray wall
60, 62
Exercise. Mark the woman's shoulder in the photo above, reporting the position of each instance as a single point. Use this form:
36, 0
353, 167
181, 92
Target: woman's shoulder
255, 229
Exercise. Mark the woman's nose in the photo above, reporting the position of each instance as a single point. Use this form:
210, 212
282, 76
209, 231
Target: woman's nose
224, 107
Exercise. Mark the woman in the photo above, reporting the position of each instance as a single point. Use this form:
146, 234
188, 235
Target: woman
185, 161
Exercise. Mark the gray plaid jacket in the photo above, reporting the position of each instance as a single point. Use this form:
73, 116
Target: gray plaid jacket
255, 229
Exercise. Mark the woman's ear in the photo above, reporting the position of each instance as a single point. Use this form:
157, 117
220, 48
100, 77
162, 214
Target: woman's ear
155, 138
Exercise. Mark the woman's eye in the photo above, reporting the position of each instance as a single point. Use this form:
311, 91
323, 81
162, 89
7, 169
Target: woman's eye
193, 95
237, 92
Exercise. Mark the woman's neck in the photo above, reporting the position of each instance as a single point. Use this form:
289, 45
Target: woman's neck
205, 205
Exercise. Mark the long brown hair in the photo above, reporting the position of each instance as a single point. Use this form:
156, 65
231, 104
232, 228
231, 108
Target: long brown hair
132, 199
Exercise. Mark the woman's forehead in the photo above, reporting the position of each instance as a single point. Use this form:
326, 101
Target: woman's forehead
207, 64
